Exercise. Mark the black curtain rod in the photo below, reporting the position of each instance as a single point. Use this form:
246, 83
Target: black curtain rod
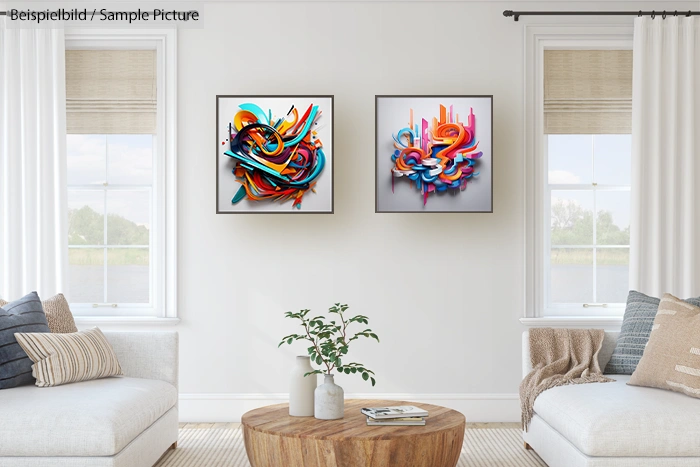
517, 14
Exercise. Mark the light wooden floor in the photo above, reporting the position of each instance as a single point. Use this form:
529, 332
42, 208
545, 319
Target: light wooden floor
205, 426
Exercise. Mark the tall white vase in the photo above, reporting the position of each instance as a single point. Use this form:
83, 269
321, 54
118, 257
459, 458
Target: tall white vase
301, 389
329, 400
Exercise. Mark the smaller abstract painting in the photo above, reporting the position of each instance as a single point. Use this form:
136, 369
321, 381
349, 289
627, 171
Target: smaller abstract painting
433, 154
274, 154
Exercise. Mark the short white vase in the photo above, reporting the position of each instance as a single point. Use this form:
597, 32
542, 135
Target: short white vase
301, 389
329, 400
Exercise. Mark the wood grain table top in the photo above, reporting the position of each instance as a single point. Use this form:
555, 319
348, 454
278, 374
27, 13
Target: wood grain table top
275, 419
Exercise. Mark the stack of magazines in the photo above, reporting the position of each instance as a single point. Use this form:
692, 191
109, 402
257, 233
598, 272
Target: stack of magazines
402, 415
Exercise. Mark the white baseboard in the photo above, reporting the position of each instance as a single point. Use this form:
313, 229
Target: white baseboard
229, 407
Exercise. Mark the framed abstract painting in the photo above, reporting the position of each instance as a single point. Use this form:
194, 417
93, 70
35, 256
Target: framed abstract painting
274, 154
434, 154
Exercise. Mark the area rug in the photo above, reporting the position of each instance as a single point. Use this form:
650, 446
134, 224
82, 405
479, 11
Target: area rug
223, 447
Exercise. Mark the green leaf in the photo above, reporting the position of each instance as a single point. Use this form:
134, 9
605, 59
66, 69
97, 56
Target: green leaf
289, 341
337, 361
365, 376
373, 381
319, 360
354, 370
347, 370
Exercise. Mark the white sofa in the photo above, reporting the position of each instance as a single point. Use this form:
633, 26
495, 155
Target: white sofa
127, 421
613, 424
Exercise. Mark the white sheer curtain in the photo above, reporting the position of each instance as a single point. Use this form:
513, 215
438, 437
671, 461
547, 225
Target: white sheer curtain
665, 222
33, 209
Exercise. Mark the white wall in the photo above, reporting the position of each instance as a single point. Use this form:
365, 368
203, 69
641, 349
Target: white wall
447, 317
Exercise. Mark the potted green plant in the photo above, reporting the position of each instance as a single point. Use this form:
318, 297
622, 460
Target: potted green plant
330, 342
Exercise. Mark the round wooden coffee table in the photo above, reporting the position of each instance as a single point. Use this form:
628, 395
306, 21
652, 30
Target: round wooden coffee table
273, 438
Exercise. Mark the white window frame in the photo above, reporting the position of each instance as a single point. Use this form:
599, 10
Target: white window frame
539, 38
163, 246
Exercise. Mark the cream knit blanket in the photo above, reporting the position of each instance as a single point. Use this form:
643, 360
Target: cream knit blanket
560, 357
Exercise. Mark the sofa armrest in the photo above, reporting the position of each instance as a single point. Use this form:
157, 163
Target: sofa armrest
151, 355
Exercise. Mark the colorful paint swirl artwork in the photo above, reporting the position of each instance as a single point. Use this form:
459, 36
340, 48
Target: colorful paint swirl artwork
439, 156
278, 158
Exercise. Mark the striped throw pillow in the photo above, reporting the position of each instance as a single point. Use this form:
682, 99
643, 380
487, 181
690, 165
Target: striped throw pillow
68, 358
58, 314
672, 357
23, 315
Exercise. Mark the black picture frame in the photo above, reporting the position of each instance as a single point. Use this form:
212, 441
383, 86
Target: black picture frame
376, 155
292, 211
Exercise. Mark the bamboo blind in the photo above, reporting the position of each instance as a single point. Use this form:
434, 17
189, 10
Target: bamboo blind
111, 91
587, 91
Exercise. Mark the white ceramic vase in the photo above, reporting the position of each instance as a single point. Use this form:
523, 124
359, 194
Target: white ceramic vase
329, 400
301, 389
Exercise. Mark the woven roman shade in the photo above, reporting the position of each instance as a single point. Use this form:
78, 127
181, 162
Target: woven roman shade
587, 91
111, 91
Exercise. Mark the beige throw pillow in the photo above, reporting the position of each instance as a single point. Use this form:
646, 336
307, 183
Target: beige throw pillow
68, 358
671, 359
57, 312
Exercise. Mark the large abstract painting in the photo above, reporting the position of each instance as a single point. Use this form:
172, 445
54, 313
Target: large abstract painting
433, 154
274, 154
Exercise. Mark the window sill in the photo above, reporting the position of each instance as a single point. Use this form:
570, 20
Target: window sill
81, 321
609, 323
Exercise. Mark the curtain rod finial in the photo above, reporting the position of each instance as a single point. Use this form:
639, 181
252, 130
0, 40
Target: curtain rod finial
511, 13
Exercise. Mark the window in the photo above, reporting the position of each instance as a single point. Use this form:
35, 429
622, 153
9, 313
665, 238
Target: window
578, 93
588, 206
587, 101
121, 173
110, 219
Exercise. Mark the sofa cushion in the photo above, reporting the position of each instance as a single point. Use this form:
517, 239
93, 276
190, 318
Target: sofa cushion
636, 327
69, 357
616, 420
672, 357
90, 418
23, 315
58, 313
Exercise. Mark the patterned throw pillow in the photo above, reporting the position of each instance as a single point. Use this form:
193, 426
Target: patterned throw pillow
672, 357
57, 312
634, 335
68, 358
23, 315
